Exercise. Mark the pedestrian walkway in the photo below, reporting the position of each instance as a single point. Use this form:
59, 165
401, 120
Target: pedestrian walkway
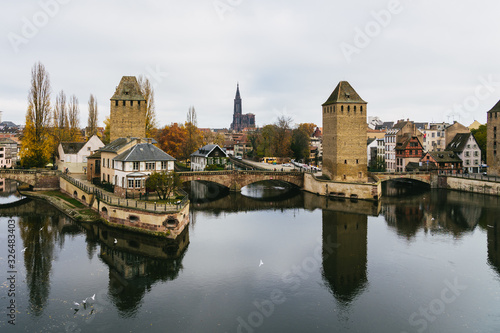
81, 182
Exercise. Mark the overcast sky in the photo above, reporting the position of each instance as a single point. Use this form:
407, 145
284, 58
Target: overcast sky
419, 59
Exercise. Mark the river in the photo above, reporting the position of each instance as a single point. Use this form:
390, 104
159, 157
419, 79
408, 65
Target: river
262, 261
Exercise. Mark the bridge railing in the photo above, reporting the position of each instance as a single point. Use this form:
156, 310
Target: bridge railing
242, 172
477, 176
128, 203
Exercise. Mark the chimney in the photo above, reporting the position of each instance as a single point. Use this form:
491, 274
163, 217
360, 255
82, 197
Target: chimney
137, 141
150, 141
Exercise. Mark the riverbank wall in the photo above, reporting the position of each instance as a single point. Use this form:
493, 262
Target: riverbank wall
156, 219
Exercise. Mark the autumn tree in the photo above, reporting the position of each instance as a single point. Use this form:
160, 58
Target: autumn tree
107, 130
301, 138
60, 125
171, 139
36, 143
93, 117
74, 119
212, 138
266, 141
148, 93
283, 136
193, 135
163, 183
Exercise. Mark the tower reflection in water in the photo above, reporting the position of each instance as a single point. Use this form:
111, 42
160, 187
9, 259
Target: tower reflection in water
344, 269
136, 262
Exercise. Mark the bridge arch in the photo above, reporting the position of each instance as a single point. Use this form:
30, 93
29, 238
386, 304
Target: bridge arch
423, 177
36, 178
235, 180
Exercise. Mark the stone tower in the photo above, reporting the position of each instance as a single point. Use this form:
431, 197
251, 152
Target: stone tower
236, 125
128, 110
344, 135
492, 140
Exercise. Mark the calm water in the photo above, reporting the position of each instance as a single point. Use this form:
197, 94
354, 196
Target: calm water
427, 262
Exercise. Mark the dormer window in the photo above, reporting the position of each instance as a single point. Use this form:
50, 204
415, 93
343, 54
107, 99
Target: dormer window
347, 95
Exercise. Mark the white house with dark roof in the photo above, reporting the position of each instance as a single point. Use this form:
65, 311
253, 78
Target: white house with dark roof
467, 149
207, 156
73, 155
133, 166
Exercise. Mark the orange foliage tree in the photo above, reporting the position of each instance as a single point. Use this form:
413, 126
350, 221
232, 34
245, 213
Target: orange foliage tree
171, 139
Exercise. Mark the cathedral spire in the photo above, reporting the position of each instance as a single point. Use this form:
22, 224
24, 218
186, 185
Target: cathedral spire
238, 92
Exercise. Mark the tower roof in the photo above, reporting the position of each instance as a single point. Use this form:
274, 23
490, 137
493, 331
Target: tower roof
128, 90
496, 108
344, 93
237, 91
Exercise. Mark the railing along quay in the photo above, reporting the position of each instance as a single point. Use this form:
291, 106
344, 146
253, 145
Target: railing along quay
128, 203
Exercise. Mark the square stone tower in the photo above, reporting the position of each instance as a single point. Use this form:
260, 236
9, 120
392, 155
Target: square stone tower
128, 110
344, 135
492, 140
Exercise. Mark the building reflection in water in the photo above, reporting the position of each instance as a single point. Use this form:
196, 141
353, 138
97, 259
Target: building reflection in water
40, 228
344, 269
493, 232
136, 262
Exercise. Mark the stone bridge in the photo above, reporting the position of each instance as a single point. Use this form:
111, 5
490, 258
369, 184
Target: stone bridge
235, 180
424, 177
39, 179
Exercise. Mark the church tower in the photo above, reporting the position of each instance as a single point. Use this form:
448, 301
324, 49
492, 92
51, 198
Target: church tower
236, 125
128, 110
344, 135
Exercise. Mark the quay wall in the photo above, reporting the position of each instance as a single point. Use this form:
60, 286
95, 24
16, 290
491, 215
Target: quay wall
362, 191
170, 223
470, 185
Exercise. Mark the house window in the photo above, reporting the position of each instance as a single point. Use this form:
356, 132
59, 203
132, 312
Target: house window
164, 165
131, 103
150, 165
116, 103
130, 183
88, 148
123, 103
135, 166
139, 103
137, 183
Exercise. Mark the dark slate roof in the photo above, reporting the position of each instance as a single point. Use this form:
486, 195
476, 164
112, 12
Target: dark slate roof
344, 93
206, 150
496, 108
459, 142
370, 140
445, 156
72, 147
116, 144
385, 125
128, 90
421, 125
8, 124
144, 152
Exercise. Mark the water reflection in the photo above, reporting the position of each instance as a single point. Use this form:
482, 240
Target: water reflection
8, 191
136, 262
39, 233
344, 265
437, 211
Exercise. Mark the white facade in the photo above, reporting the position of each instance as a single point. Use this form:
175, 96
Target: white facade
77, 162
142, 170
471, 156
390, 149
